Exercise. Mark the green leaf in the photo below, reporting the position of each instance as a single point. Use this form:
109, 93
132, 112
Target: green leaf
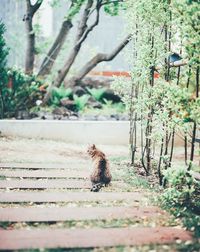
80, 102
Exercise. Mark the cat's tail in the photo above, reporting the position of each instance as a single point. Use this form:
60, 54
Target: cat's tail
96, 187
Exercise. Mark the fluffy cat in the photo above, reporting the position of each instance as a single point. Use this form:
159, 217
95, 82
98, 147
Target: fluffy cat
101, 173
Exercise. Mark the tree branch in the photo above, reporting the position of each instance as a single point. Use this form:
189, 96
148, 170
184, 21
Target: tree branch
100, 57
83, 23
36, 6
90, 28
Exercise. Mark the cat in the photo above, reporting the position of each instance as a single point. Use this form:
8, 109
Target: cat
101, 172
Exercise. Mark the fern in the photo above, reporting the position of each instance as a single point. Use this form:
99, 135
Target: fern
58, 93
96, 93
81, 101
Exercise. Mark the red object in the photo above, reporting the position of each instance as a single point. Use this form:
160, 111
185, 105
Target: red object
117, 73
10, 83
111, 73
156, 75
42, 88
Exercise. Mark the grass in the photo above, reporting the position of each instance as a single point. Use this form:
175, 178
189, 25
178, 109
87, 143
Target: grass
85, 224
183, 247
136, 181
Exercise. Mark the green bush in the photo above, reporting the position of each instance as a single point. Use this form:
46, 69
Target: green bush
20, 92
180, 186
181, 198
59, 93
81, 101
96, 93
17, 90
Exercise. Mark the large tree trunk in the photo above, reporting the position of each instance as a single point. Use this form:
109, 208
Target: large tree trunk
30, 50
100, 57
49, 60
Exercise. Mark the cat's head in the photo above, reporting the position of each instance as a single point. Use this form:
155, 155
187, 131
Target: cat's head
91, 149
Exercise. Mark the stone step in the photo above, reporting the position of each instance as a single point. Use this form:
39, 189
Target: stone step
39, 197
44, 173
88, 238
38, 214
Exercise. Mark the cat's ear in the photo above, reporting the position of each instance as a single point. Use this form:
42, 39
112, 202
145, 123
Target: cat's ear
93, 146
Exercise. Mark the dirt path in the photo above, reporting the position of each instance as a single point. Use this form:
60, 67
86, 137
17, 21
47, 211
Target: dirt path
45, 203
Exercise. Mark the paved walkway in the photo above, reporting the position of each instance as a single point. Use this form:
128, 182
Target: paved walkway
50, 206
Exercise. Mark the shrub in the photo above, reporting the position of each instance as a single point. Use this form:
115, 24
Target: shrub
180, 186
17, 90
181, 198
20, 92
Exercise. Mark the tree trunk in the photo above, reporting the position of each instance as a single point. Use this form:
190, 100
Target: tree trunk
28, 18
195, 124
83, 23
62, 73
30, 50
49, 60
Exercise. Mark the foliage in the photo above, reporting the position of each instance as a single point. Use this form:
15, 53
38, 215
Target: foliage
76, 6
59, 93
17, 90
187, 14
20, 92
180, 186
115, 107
80, 101
181, 197
112, 8
96, 93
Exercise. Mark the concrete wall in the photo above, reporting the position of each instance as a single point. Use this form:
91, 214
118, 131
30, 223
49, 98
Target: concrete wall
79, 132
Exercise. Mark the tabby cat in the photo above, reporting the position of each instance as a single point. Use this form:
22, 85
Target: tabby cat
101, 173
